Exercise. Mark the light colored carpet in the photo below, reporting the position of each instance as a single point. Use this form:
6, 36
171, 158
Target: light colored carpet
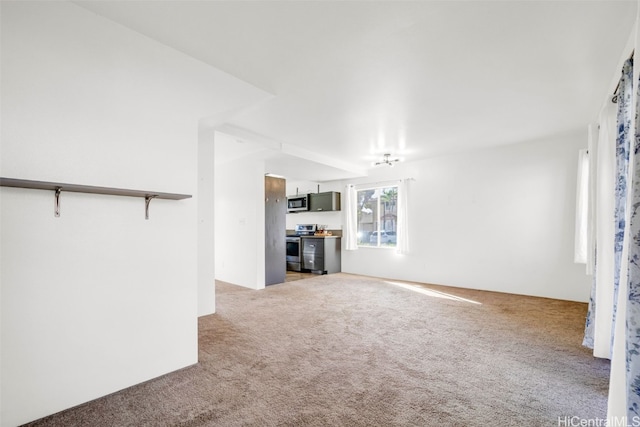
346, 350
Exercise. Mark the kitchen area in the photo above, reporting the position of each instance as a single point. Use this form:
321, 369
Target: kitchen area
309, 247
313, 248
252, 224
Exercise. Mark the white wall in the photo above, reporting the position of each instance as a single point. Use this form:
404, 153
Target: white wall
206, 224
499, 219
98, 299
239, 225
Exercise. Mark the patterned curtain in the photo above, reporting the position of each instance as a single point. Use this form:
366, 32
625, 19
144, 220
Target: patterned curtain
623, 142
633, 300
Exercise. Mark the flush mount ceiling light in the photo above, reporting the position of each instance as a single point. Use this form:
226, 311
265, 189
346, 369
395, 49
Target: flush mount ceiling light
386, 160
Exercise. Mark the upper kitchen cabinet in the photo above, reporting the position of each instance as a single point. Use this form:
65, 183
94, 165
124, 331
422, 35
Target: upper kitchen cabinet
327, 201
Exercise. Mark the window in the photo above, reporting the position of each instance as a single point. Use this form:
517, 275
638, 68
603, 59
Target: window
582, 209
377, 210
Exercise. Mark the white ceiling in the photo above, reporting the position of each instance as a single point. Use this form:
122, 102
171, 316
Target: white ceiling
353, 79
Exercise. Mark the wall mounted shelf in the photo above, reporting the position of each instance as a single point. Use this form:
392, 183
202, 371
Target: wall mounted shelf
58, 187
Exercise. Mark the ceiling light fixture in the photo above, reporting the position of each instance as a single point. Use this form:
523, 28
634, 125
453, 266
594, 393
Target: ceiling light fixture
387, 160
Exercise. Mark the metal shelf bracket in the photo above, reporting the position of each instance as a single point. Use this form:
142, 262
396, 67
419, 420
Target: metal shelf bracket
147, 200
56, 205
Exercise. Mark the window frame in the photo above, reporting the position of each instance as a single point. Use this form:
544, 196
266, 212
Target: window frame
379, 219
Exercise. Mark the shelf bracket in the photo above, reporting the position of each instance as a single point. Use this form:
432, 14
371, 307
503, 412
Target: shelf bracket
147, 200
56, 204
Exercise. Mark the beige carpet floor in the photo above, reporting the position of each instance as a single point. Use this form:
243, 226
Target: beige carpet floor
346, 350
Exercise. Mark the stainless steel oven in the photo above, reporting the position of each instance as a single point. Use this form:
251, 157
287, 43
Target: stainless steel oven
294, 245
294, 253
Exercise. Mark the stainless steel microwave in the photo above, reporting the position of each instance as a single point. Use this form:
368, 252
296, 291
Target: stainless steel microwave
298, 203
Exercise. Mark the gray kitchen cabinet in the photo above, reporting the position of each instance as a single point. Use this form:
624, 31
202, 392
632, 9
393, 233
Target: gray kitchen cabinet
321, 254
328, 201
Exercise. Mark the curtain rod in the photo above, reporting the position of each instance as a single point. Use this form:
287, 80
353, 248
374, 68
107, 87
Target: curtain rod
615, 92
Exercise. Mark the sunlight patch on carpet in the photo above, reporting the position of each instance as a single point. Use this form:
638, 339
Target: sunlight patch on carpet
431, 292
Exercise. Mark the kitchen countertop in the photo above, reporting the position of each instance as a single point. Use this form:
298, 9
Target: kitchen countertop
317, 236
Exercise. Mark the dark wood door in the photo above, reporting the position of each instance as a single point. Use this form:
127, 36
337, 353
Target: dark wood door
275, 212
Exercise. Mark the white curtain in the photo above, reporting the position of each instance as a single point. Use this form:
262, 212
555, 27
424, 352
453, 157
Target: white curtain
602, 147
592, 203
582, 209
351, 219
602, 333
605, 231
617, 402
402, 230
